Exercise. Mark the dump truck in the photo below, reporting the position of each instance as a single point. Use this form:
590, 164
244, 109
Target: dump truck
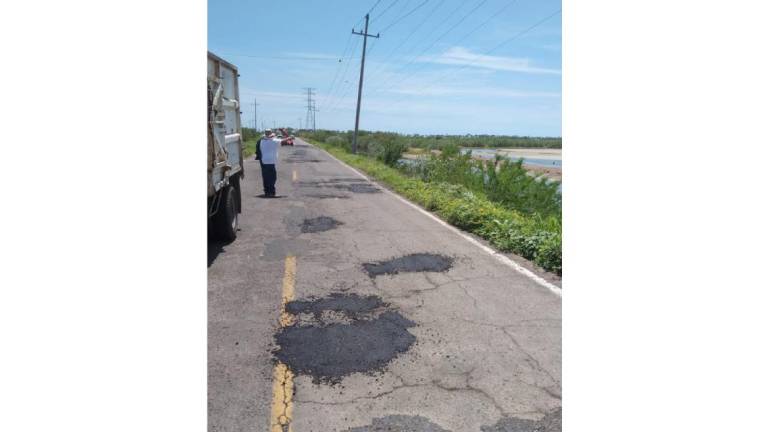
225, 149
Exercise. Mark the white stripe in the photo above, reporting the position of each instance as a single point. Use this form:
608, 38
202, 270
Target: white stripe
501, 257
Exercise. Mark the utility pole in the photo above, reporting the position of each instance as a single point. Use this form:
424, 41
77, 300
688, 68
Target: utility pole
299, 123
255, 118
365, 36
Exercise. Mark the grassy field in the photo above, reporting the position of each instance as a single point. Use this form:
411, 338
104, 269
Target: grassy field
516, 214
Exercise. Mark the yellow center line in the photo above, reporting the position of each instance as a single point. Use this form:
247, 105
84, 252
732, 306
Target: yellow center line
289, 281
282, 386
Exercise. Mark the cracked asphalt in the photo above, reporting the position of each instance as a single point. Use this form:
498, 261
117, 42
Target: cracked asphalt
487, 350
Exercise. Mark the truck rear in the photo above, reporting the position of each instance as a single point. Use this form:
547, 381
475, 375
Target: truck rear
225, 149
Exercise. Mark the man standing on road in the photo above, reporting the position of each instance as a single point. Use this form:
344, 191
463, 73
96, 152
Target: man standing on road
268, 146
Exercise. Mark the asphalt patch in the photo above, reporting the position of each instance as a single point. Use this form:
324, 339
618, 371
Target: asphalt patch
420, 262
346, 180
351, 304
552, 422
353, 185
399, 423
357, 187
319, 224
327, 196
371, 336
295, 160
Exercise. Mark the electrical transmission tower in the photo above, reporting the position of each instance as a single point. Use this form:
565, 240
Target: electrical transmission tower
314, 116
310, 107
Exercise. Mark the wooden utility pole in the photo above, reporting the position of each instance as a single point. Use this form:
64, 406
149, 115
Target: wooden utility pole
365, 36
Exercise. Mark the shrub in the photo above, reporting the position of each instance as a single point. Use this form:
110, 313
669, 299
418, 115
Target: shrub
336, 141
389, 152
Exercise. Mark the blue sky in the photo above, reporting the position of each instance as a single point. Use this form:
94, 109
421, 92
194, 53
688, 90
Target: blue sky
440, 66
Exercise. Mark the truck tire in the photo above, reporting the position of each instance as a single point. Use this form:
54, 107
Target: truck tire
226, 218
235, 182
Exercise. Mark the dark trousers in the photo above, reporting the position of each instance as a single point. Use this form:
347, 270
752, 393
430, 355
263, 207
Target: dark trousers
268, 177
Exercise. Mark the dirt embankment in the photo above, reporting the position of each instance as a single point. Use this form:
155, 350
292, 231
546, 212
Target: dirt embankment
550, 173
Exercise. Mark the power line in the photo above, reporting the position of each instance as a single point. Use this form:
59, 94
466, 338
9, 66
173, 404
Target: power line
372, 8
385, 10
466, 65
338, 68
481, 3
405, 16
403, 67
494, 15
339, 100
343, 79
383, 62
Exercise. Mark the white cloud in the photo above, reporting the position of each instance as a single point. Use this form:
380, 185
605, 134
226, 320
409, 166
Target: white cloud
464, 57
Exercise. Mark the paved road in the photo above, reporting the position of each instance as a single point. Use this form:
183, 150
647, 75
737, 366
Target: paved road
341, 308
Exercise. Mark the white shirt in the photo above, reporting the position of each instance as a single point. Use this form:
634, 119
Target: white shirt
269, 148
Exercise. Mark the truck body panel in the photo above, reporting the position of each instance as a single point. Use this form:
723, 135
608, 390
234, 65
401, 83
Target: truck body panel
225, 144
225, 149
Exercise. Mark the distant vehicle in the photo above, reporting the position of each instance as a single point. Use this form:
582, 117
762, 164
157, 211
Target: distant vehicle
284, 133
225, 149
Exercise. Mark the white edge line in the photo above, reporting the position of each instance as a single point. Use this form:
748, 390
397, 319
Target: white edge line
501, 257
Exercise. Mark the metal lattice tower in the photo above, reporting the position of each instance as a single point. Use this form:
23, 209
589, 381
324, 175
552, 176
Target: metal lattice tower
310, 106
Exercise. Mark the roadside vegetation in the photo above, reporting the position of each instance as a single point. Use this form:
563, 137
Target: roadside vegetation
250, 137
249, 148
496, 200
438, 142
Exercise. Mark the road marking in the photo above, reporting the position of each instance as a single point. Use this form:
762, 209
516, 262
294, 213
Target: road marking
501, 257
295, 175
282, 399
289, 281
282, 386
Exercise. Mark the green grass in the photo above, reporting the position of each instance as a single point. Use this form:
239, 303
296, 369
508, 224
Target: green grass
502, 181
532, 236
249, 147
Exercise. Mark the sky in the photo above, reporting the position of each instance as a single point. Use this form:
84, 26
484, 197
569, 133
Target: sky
439, 66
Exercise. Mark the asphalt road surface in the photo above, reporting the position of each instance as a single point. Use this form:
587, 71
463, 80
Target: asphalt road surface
342, 308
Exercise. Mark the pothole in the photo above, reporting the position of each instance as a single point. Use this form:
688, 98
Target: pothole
319, 224
340, 335
399, 423
552, 422
419, 262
